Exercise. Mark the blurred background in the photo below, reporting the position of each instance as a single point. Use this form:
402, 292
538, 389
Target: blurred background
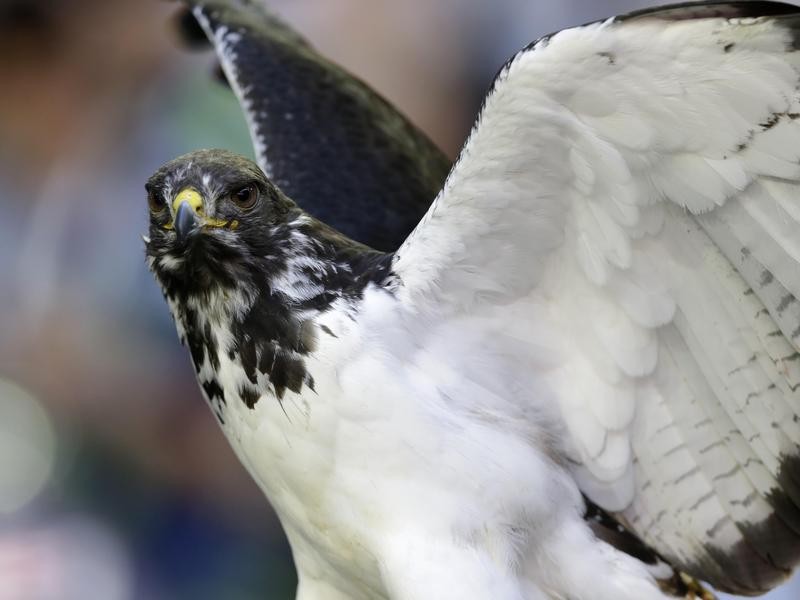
115, 482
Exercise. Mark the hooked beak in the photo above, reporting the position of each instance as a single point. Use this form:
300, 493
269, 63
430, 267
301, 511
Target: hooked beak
187, 206
185, 221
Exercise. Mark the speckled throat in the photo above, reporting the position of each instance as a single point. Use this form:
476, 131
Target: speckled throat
259, 309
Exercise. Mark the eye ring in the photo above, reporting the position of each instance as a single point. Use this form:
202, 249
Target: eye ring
156, 203
245, 196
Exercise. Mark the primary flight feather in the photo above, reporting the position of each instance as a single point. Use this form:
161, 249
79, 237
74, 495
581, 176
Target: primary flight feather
602, 300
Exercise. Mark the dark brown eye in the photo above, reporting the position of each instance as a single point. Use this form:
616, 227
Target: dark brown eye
156, 202
245, 196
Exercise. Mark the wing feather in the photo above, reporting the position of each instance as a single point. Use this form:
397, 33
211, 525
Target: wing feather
634, 186
330, 142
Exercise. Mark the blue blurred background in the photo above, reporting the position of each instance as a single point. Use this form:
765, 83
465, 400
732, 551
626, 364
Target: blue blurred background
115, 483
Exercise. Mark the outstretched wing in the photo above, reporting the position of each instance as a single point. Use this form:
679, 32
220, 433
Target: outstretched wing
629, 203
326, 139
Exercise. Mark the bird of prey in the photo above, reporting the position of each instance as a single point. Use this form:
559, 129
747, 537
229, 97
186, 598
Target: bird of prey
266, 50
601, 302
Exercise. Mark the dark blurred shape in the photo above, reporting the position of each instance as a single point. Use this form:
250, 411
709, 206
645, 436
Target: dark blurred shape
192, 37
189, 31
721, 9
23, 16
330, 142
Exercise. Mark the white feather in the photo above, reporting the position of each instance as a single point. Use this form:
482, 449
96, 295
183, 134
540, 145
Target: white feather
601, 300
676, 193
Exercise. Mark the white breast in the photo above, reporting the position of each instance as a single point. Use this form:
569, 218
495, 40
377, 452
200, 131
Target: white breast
377, 447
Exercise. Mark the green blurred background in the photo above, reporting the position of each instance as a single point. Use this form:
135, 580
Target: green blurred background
115, 482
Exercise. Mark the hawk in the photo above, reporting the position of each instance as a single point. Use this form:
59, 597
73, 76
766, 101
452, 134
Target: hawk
601, 303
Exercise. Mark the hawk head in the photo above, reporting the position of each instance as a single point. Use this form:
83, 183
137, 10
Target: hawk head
215, 222
245, 272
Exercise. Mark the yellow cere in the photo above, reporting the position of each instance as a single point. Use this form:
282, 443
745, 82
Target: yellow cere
190, 195
195, 200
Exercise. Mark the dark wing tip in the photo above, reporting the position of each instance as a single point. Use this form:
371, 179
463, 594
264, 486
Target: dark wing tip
769, 550
251, 18
765, 556
189, 32
683, 11
613, 532
712, 10
788, 15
